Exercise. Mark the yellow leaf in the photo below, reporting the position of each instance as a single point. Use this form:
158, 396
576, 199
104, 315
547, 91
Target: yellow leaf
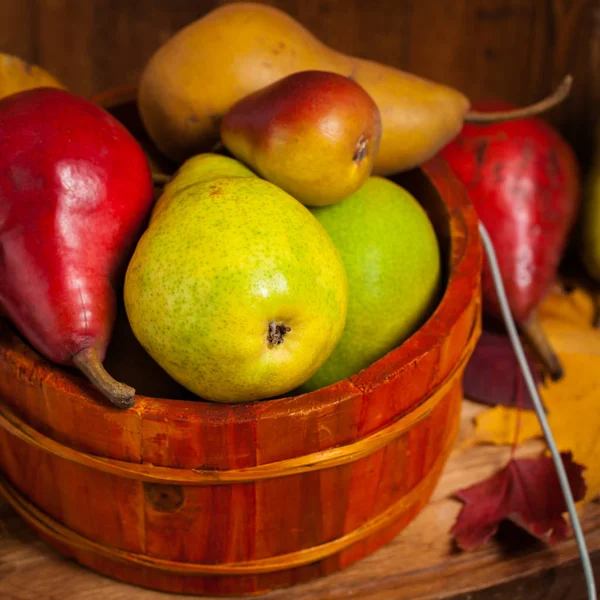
17, 75
575, 309
574, 414
573, 403
498, 425
566, 339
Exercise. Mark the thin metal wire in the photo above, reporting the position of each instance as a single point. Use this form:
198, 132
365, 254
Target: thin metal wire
539, 409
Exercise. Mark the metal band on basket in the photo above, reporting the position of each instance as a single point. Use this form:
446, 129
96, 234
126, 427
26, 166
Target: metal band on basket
57, 532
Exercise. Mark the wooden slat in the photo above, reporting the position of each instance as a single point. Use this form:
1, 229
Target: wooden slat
419, 564
18, 28
98, 44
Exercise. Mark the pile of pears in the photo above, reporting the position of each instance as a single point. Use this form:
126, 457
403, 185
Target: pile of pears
282, 265
278, 258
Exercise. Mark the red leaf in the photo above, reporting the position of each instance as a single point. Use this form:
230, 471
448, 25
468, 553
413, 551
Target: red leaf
492, 375
526, 492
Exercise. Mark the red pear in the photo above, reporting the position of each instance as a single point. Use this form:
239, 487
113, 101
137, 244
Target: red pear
315, 134
523, 179
75, 191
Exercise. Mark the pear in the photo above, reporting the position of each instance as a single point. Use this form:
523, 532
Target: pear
197, 169
392, 259
314, 134
16, 75
235, 289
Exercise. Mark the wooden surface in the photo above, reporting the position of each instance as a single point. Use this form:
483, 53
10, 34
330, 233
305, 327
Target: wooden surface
514, 49
419, 564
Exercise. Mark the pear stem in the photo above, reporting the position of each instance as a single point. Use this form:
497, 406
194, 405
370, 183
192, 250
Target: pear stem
556, 97
533, 332
218, 147
120, 394
160, 178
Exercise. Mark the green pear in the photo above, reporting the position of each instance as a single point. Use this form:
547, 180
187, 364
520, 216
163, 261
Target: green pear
235, 289
392, 260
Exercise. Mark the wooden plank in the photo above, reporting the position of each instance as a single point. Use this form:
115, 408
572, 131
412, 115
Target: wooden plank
65, 42
97, 44
18, 28
419, 564
514, 49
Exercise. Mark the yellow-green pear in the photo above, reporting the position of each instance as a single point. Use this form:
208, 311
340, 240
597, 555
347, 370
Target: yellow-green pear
235, 288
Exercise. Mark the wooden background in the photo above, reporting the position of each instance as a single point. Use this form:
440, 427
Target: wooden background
512, 49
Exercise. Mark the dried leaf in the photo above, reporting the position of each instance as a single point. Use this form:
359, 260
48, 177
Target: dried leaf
526, 492
492, 375
499, 426
573, 403
17, 75
574, 416
575, 308
567, 319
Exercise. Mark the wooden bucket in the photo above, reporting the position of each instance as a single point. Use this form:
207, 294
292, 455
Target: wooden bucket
194, 497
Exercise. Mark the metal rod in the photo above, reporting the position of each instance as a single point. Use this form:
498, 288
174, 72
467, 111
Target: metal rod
539, 409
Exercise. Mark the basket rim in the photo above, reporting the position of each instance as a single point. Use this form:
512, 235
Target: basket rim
326, 458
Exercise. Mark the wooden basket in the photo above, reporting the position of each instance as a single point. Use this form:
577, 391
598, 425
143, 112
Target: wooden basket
194, 497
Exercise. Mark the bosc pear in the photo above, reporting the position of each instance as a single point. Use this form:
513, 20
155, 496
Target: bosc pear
235, 289
392, 259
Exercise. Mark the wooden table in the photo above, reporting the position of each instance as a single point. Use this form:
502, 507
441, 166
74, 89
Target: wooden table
420, 564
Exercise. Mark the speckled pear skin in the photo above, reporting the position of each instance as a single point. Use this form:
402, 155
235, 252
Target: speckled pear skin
197, 169
392, 261
222, 262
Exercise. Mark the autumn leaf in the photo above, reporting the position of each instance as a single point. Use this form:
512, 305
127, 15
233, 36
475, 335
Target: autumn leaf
574, 309
17, 75
526, 492
499, 426
574, 416
492, 375
573, 403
